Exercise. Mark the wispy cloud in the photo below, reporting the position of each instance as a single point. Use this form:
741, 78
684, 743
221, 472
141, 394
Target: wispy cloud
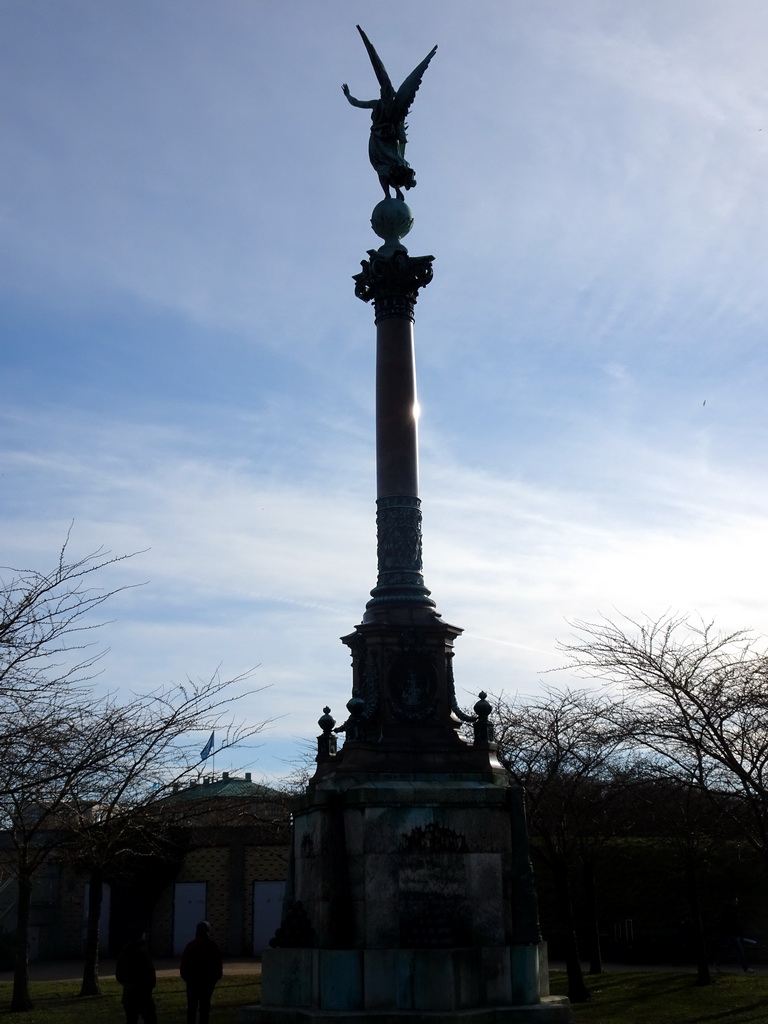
246, 569
184, 198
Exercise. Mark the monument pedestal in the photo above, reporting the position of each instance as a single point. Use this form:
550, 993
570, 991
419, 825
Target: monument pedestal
499, 984
417, 896
470, 984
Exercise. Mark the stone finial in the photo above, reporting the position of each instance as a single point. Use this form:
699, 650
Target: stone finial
356, 705
483, 707
356, 709
392, 220
326, 721
326, 741
483, 729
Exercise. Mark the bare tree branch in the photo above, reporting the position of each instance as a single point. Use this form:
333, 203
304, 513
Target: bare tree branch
45, 621
697, 698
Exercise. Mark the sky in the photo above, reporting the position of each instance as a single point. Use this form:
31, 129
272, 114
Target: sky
184, 197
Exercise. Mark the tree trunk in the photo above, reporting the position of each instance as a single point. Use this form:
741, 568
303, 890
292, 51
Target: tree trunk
697, 938
20, 999
90, 985
577, 990
593, 925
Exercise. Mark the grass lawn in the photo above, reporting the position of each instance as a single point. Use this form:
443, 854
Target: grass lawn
629, 998
56, 1002
649, 998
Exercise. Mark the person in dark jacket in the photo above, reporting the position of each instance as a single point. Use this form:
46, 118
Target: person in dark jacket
200, 968
135, 971
731, 933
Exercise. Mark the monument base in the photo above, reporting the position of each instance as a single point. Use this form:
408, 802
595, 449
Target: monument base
487, 985
551, 1010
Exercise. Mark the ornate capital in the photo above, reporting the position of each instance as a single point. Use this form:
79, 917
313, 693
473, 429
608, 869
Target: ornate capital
392, 282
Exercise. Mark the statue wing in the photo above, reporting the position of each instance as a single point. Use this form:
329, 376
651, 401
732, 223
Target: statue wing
407, 91
378, 67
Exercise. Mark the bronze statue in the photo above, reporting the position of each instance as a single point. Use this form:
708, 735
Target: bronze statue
386, 148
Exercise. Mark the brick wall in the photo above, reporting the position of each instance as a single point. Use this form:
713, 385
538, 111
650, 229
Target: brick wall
229, 872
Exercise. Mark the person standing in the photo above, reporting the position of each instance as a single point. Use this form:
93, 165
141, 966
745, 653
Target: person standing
135, 971
732, 934
200, 969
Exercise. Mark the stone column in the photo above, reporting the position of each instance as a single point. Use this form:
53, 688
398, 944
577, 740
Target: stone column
397, 456
391, 279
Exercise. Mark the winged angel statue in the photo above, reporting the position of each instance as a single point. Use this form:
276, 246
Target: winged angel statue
386, 148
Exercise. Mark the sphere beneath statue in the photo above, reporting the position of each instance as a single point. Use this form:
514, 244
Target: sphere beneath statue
391, 220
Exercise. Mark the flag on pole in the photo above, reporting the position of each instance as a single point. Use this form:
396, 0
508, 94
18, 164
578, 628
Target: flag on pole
207, 748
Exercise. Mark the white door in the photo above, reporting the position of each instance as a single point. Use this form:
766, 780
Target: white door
188, 911
267, 912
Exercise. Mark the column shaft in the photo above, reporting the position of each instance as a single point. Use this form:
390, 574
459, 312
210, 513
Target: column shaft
397, 459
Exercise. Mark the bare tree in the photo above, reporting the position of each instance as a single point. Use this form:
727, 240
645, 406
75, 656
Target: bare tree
697, 699
47, 735
86, 778
562, 749
79, 768
673, 810
119, 807
61, 743
45, 622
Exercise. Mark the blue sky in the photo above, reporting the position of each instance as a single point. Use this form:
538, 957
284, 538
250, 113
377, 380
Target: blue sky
184, 196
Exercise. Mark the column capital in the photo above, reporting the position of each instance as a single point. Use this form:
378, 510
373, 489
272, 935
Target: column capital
392, 282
